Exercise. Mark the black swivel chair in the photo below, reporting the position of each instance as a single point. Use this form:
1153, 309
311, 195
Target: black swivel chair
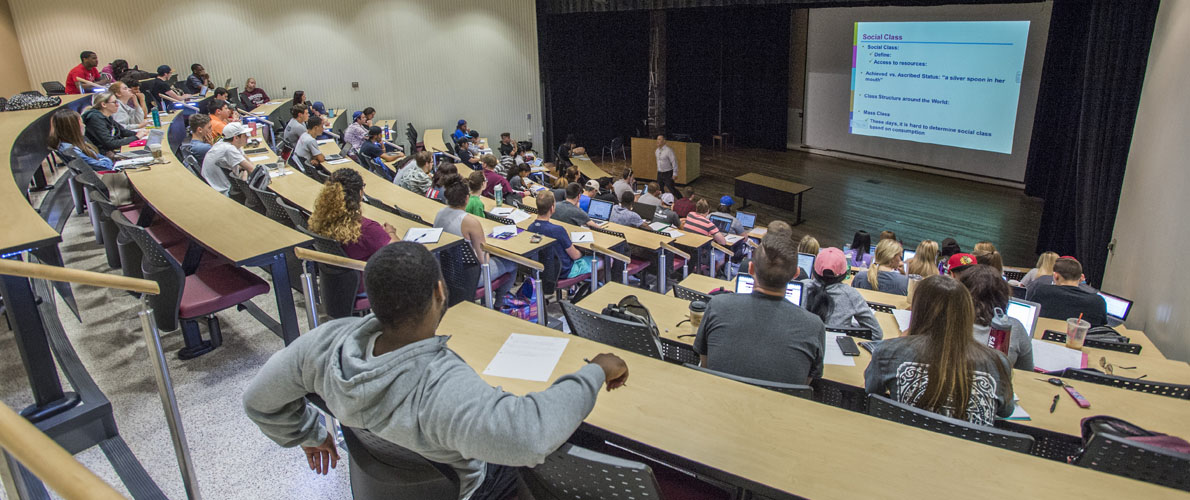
880, 406
1116, 455
798, 390
382, 470
578, 473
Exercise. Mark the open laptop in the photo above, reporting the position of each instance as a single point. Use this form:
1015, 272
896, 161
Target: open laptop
723, 223
793, 291
600, 210
644, 210
908, 254
747, 220
805, 261
1117, 307
1024, 311
155, 137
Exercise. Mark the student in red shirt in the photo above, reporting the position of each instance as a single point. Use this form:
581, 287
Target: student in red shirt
684, 205
86, 70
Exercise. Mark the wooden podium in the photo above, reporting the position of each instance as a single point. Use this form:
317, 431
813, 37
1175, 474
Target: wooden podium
644, 159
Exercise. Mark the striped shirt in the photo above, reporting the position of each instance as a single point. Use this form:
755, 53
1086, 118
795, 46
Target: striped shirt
700, 224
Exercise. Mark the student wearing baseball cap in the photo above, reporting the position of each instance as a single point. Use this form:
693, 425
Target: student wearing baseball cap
227, 157
590, 190
837, 303
461, 131
665, 212
726, 212
357, 132
958, 263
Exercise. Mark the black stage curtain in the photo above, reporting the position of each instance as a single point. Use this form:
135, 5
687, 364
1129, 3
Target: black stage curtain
739, 54
595, 77
1090, 90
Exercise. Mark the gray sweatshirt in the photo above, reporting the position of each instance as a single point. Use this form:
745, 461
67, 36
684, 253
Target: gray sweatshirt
1020, 345
423, 397
847, 304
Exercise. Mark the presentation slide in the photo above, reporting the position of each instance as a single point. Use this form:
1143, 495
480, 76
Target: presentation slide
946, 83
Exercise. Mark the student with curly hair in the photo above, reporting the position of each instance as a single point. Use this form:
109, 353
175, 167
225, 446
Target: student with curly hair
337, 216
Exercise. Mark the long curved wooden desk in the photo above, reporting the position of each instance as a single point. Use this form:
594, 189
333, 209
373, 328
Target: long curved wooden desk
432, 139
772, 443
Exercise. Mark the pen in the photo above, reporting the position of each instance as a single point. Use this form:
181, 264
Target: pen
1055, 403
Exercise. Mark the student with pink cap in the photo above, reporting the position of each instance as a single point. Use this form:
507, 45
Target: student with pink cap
837, 303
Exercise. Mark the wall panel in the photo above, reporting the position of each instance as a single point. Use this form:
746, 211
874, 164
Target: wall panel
420, 61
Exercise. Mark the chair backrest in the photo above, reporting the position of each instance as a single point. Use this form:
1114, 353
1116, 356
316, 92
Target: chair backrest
617, 143
241, 192
1060, 337
156, 265
882, 308
272, 206
381, 469
880, 406
615, 332
460, 271
1159, 388
337, 286
381, 205
684, 293
862, 333
409, 215
191, 164
1014, 275
1141, 461
299, 218
54, 88
87, 177
502, 220
840, 395
799, 390
575, 473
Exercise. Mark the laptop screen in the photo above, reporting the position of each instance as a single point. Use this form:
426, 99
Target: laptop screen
600, 209
805, 261
1024, 311
908, 254
644, 210
746, 219
793, 291
723, 223
1117, 307
155, 137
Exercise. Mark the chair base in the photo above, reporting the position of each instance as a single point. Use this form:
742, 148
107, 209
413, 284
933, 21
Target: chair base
195, 345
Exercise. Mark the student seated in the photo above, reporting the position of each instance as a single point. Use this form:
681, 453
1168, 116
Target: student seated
665, 211
197, 80
622, 214
590, 191
652, 195
494, 179
925, 260
221, 115
518, 178
66, 137
414, 176
858, 255
885, 273
307, 146
887, 235
761, 335
159, 92
337, 216
454, 219
958, 263
461, 131
200, 137
835, 302
991, 258
607, 190
85, 76
252, 96
568, 210
1066, 299
437, 191
807, 245
226, 157
571, 262
296, 125
220, 94
466, 157
390, 373
360, 128
699, 222
373, 147
476, 182
103, 131
989, 292
569, 149
626, 184
948, 248
131, 114
684, 205
508, 147
938, 366
726, 212
1044, 267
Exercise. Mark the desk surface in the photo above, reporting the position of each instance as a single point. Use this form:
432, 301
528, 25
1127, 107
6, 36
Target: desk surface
1160, 413
770, 182
219, 223
790, 444
602, 239
432, 139
23, 226
588, 168
427, 209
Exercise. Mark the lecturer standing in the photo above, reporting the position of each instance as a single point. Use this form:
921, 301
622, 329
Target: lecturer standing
667, 167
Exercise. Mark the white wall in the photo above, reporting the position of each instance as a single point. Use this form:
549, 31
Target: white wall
403, 53
1150, 232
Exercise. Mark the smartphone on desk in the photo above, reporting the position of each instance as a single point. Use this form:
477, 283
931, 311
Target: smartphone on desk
847, 345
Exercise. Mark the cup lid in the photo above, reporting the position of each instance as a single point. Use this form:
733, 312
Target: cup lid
698, 306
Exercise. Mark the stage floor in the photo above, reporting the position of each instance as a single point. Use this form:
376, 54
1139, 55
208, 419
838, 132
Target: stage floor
850, 195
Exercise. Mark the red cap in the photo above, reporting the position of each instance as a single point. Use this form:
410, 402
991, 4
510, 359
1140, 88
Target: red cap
960, 260
1068, 257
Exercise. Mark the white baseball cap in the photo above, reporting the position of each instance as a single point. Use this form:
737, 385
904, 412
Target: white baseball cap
235, 128
667, 198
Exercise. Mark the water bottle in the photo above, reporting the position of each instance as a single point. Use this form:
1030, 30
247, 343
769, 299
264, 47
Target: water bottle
1001, 331
386, 137
499, 194
156, 118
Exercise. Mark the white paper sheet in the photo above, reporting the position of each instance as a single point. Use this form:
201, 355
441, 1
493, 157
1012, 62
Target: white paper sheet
517, 215
133, 162
324, 141
674, 233
657, 226
255, 159
582, 237
340, 160
834, 355
759, 232
279, 172
503, 211
1051, 357
527, 357
733, 238
498, 230
423, 234
902, 316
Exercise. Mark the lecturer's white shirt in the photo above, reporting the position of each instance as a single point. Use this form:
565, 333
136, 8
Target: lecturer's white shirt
665, 159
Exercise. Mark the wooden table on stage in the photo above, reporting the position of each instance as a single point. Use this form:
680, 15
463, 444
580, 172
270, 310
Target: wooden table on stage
588, 168
432, 139
224, 227
1164, 414
687, 154
772, 443
776, 192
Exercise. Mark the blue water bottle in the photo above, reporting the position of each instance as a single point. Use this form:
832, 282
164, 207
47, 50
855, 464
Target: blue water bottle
498, 192
386, 133
156, 118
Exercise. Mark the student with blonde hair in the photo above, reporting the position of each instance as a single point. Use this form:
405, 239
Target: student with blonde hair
885, 273
337, 216
1044, 267
925, 261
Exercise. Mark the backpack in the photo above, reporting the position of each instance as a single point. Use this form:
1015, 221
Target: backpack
630, 309
1127, 430
31, 101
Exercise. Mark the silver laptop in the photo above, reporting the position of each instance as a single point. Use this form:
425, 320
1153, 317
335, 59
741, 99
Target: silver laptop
1024, 311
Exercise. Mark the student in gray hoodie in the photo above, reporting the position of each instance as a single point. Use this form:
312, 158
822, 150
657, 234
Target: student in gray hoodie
388, 372
838, 303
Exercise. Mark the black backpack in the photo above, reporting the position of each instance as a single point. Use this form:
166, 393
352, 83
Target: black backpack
630, 309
